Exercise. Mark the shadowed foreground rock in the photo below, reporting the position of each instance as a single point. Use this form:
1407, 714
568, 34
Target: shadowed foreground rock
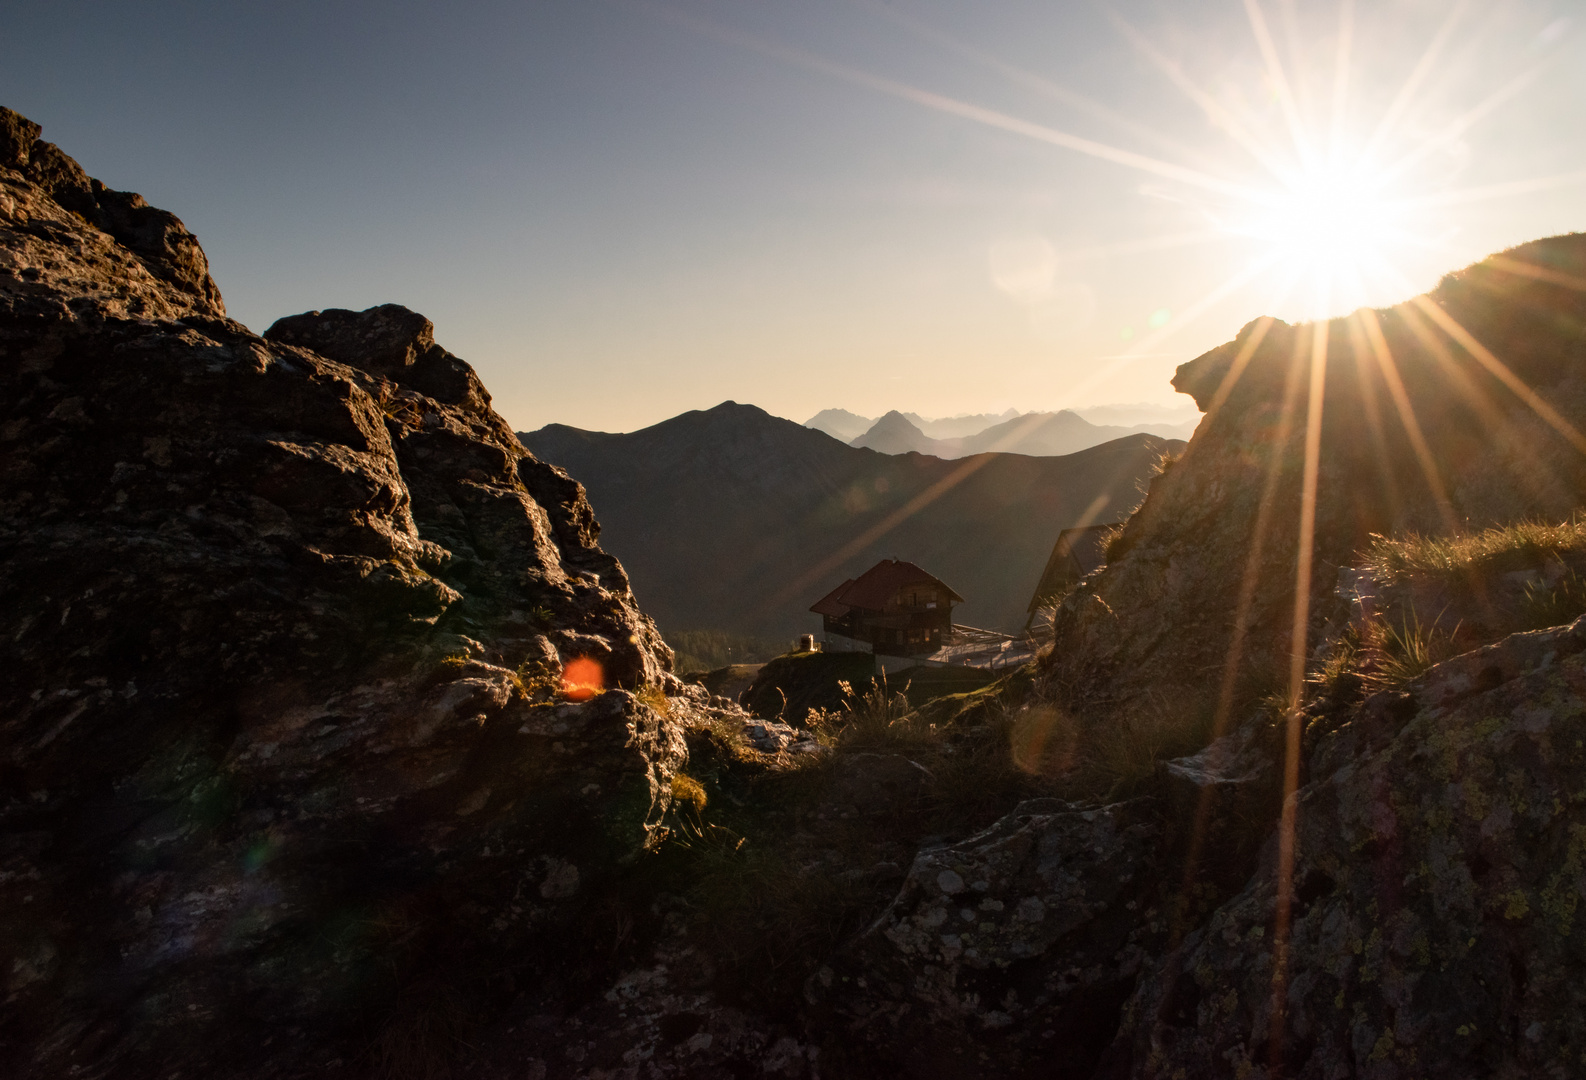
1007, 954
271, 775
1441, 862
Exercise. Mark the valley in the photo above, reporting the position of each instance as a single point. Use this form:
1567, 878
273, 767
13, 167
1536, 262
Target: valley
732, 519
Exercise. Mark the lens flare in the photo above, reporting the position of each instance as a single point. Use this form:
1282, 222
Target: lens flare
582, 679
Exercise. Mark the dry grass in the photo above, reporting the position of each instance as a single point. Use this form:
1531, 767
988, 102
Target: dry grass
1381, 655
878, 719
537, 680
423, 1036
655, 698
1113, 542
1393, 655
1562, 602
1516, 546
686, 791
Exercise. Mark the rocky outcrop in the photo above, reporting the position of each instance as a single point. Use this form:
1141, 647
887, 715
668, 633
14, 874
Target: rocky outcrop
1420, 431
284, 750
134, 260
1007, 954
1439, 871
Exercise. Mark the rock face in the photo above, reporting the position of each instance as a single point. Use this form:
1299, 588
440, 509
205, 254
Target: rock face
1007, 954
1417, 433
1436, 930
284, 618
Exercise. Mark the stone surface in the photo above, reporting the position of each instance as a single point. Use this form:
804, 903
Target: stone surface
283, 622
1436, 925
771, 737
1006, 954
1206, 568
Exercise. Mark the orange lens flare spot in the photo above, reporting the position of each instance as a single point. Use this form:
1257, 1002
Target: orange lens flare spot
582, 679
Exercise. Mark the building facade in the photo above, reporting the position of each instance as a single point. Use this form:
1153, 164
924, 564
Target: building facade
895, 607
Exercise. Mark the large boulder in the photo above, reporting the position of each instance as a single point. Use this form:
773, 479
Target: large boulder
1419, 431
285, 753
1007, 954
1440, 864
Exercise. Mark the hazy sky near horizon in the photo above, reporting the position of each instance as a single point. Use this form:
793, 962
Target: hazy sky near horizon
618, 211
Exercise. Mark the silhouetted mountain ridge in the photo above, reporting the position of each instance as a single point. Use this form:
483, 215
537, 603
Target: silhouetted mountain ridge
731, 518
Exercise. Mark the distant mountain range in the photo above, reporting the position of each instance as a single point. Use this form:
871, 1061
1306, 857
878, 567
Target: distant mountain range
733, 519
847, 426
1038, 433
1042, 434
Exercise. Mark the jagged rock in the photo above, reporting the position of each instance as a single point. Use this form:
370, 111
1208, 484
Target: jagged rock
661, 1019
771, 737
1435, 897
283, 621
1206, 570
134, 260
1006, 954
1218, 804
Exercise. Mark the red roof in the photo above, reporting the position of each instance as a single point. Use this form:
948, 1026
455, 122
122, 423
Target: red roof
871, 590
829, 604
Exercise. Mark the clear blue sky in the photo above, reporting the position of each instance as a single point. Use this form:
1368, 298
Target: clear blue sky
619, 211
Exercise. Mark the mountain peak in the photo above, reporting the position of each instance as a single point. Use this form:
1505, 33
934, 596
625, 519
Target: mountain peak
895, 434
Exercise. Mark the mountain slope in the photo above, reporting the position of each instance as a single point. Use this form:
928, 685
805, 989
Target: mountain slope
733, 519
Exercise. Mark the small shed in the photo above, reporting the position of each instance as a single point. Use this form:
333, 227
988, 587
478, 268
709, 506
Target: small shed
895, 607
1076, 553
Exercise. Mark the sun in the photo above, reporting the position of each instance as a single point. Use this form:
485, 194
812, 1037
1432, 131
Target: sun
1326, 217
1326, 230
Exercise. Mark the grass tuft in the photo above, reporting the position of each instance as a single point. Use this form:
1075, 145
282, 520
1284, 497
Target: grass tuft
880, 718
686, 791
1397, 654
537, 680
1562, 602
1515, 546
655, 698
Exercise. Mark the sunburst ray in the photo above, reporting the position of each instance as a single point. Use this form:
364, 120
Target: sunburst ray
1371, 330
1033, 81
1150, 341
1250, 580
1499, 370
1299, 633
1418, 74
1280, 82
1383, 456
1215, 112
